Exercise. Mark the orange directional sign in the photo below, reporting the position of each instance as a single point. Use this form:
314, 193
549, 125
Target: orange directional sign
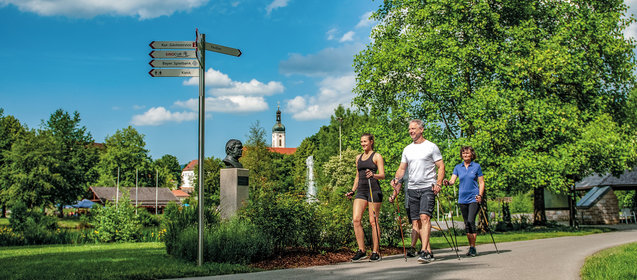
173, 54
174, 72
173, 45
174, 63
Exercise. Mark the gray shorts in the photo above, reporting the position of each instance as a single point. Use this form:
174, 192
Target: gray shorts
421, 201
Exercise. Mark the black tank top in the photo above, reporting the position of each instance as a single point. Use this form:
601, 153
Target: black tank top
363, 165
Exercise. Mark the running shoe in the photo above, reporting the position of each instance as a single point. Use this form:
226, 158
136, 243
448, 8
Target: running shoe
472, 251
412, 252
424, 257
360, 255
431, 257
375, 257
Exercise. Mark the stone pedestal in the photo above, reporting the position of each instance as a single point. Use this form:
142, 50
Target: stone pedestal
234, 190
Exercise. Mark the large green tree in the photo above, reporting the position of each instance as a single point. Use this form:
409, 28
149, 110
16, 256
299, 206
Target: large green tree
539, 88
76, 159
126, 150
10, 130
169, 171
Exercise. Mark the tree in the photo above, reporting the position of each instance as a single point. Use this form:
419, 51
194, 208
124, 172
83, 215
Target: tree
10, 130
76, 158
169, 171
256, 156
125, 150
212, 183
527, 83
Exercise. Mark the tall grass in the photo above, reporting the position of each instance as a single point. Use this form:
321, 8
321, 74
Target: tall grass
614, 263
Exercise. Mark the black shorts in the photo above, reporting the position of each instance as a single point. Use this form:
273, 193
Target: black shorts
363, 193
421, 201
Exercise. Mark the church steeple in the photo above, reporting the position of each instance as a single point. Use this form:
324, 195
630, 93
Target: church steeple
278, 131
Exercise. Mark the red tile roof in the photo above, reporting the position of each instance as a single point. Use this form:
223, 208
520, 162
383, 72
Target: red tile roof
180, 193
191, 165
285, 151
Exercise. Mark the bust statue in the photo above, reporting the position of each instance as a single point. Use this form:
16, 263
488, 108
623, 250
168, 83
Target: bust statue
234, 149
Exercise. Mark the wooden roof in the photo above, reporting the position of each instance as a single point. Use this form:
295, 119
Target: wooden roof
146, 198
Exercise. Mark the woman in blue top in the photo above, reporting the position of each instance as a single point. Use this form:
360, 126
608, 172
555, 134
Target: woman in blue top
470, 192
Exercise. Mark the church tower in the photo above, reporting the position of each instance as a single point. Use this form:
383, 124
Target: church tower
278, 131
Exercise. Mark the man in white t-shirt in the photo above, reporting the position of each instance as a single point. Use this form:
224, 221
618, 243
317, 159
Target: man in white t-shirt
423, 161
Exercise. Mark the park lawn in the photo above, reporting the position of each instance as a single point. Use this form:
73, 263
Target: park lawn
68, 223
4, 222
103, 261
613, 263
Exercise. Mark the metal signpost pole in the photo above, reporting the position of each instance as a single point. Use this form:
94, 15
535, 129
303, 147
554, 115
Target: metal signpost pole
201, 40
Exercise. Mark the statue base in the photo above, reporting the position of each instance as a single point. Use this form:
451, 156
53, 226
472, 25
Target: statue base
234, 191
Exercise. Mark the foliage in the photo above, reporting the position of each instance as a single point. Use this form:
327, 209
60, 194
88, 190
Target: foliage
287, 218
10, 130
212, 187
522, 203
34, 226
146, 219
169, 171
177, 218
76, 159
125, 149
539, 95
234, 241
115, 222
626, 199
103, 261
612, 263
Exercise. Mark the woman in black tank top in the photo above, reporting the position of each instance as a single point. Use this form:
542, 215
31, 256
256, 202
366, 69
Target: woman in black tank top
369, 168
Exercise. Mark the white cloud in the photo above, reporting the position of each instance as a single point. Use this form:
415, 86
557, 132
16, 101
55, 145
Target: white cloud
349, 36
631, 30
331, 34
275, 5
365, 20
227, 104
222, 85
332, 92
144, 9
327, 62
159, 115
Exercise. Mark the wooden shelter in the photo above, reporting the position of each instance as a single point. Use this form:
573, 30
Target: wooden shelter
147, 197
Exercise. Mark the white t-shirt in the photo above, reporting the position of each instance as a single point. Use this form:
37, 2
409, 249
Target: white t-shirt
420, 159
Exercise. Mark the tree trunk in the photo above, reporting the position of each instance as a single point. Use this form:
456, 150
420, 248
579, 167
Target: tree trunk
4, 211
539, 214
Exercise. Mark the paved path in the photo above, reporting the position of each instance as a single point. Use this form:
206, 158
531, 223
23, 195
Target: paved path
553, 258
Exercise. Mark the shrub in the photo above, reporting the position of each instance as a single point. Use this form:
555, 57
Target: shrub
522, 203
177, 218
146, 219
116, 222
287, 218
34, 226
235, 241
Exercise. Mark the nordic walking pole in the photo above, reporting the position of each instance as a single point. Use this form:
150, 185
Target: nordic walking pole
371, 196
488, 227
400, 225
445, 236
453, 227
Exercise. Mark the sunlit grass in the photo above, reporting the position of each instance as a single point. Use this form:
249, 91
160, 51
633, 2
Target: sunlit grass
613, 263
102, 261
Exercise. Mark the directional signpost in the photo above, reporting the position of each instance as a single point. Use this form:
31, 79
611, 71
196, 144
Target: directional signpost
178, 59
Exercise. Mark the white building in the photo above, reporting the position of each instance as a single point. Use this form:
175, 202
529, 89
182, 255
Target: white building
278, 132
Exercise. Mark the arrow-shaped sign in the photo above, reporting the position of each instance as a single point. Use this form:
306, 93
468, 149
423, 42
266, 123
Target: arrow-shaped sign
174, 72
174, 63
173, 45
222, 49
173, 54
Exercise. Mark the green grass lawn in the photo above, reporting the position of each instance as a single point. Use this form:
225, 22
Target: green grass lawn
613, 263
4, 222
102, 261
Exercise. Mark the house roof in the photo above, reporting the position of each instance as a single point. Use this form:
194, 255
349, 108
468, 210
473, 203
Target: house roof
191, 165
285, 151
180, 193
145, 195
626, 181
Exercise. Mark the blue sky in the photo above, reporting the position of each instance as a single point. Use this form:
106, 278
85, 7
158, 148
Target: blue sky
92, 56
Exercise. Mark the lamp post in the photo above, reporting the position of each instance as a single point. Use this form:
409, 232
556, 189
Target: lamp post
340, 123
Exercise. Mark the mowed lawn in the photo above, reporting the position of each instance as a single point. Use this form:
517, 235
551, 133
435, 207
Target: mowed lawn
613, 263
102, 261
